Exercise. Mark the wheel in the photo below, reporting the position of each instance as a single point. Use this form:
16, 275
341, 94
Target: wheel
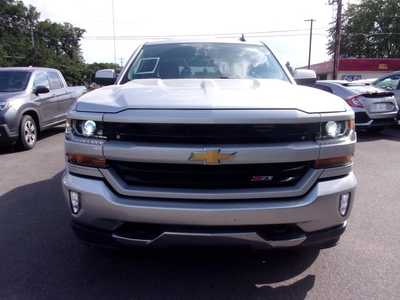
28, 133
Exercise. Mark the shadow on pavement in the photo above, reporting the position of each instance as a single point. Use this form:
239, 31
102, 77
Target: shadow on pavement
392, 134
13, 148
42, 259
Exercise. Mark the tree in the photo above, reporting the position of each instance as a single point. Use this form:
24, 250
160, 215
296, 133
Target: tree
370, 28
16, 23
26, 40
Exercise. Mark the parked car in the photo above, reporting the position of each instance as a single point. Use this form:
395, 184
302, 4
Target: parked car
390, 83
32, 100
374, 108
209, 141
368, 81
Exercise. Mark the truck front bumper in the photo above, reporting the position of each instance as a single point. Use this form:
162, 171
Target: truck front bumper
108, 218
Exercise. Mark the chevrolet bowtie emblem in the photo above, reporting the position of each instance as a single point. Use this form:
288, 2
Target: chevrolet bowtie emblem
212, 157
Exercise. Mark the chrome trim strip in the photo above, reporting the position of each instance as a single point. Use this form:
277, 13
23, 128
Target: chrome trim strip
78, 115
72, 147
180, 154
252, 237
335, 172
287, 243
82, 170
215, 116
221, 194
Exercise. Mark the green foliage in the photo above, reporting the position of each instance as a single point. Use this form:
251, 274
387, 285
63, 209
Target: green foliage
370, 28
26, 40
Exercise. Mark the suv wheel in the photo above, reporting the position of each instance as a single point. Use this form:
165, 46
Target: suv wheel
28, 133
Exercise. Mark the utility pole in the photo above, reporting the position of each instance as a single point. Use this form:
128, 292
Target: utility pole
338, 31
113, 20
309, 47
33, 45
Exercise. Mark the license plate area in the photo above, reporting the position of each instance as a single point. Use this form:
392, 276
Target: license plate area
381, 107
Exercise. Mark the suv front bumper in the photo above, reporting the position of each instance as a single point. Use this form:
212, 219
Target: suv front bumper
6, 136
273, 223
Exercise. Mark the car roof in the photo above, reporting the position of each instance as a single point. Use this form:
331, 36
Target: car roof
331, 82
202, 40
28, 69
387, 75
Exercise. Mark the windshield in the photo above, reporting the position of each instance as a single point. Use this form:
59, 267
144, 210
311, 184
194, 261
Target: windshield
205, 60
13, 81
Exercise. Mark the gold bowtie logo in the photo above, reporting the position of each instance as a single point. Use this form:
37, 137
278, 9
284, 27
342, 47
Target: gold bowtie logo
212, 157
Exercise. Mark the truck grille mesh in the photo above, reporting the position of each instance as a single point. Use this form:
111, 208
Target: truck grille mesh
210, 176
211, 133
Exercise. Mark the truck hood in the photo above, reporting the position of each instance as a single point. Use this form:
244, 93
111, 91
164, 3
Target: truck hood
209, 94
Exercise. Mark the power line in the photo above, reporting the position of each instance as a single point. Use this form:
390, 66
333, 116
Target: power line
272, 33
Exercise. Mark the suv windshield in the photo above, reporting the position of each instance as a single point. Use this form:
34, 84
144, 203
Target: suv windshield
13, 81
205, 60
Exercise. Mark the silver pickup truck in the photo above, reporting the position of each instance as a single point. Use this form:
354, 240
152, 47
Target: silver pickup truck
209, 142
32, 100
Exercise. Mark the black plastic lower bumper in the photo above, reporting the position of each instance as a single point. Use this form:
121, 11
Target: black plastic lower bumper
5, 134
364, 121
319, 239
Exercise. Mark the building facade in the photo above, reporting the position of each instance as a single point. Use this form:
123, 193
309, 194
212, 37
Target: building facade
357, 68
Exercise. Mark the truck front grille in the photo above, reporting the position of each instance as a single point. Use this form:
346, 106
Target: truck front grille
211, 133
210, 176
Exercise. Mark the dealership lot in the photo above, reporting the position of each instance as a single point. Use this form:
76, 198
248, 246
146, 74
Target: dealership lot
42, 259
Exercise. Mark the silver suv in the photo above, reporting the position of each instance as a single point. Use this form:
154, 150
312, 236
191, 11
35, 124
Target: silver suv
208, 141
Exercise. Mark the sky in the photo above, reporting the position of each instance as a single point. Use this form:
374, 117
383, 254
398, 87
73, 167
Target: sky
135, 19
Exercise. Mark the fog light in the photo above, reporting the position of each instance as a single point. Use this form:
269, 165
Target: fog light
75, 202
344, 203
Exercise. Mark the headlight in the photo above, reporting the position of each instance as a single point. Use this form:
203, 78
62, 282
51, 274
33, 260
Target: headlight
336, 129
88, 128
84, 129
3, 105
333, 129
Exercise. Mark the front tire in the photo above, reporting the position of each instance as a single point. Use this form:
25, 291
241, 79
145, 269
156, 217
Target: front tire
28, 133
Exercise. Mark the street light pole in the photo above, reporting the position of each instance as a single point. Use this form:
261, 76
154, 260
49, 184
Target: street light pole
309, 47
115, 44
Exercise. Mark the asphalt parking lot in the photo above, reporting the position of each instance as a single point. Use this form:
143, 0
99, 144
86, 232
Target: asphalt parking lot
41, 259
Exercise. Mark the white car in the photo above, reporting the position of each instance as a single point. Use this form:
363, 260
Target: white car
374, 108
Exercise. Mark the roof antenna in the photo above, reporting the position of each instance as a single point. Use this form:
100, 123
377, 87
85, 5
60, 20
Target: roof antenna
242, 38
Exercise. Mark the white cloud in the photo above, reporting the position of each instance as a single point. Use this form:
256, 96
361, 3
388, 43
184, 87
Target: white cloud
178, 17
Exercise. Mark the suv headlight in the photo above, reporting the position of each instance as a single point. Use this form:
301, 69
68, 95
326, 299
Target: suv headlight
4, 105
336, 129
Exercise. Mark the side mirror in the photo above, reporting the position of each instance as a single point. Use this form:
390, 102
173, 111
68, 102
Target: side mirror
41, 89
105, 77
305, 77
